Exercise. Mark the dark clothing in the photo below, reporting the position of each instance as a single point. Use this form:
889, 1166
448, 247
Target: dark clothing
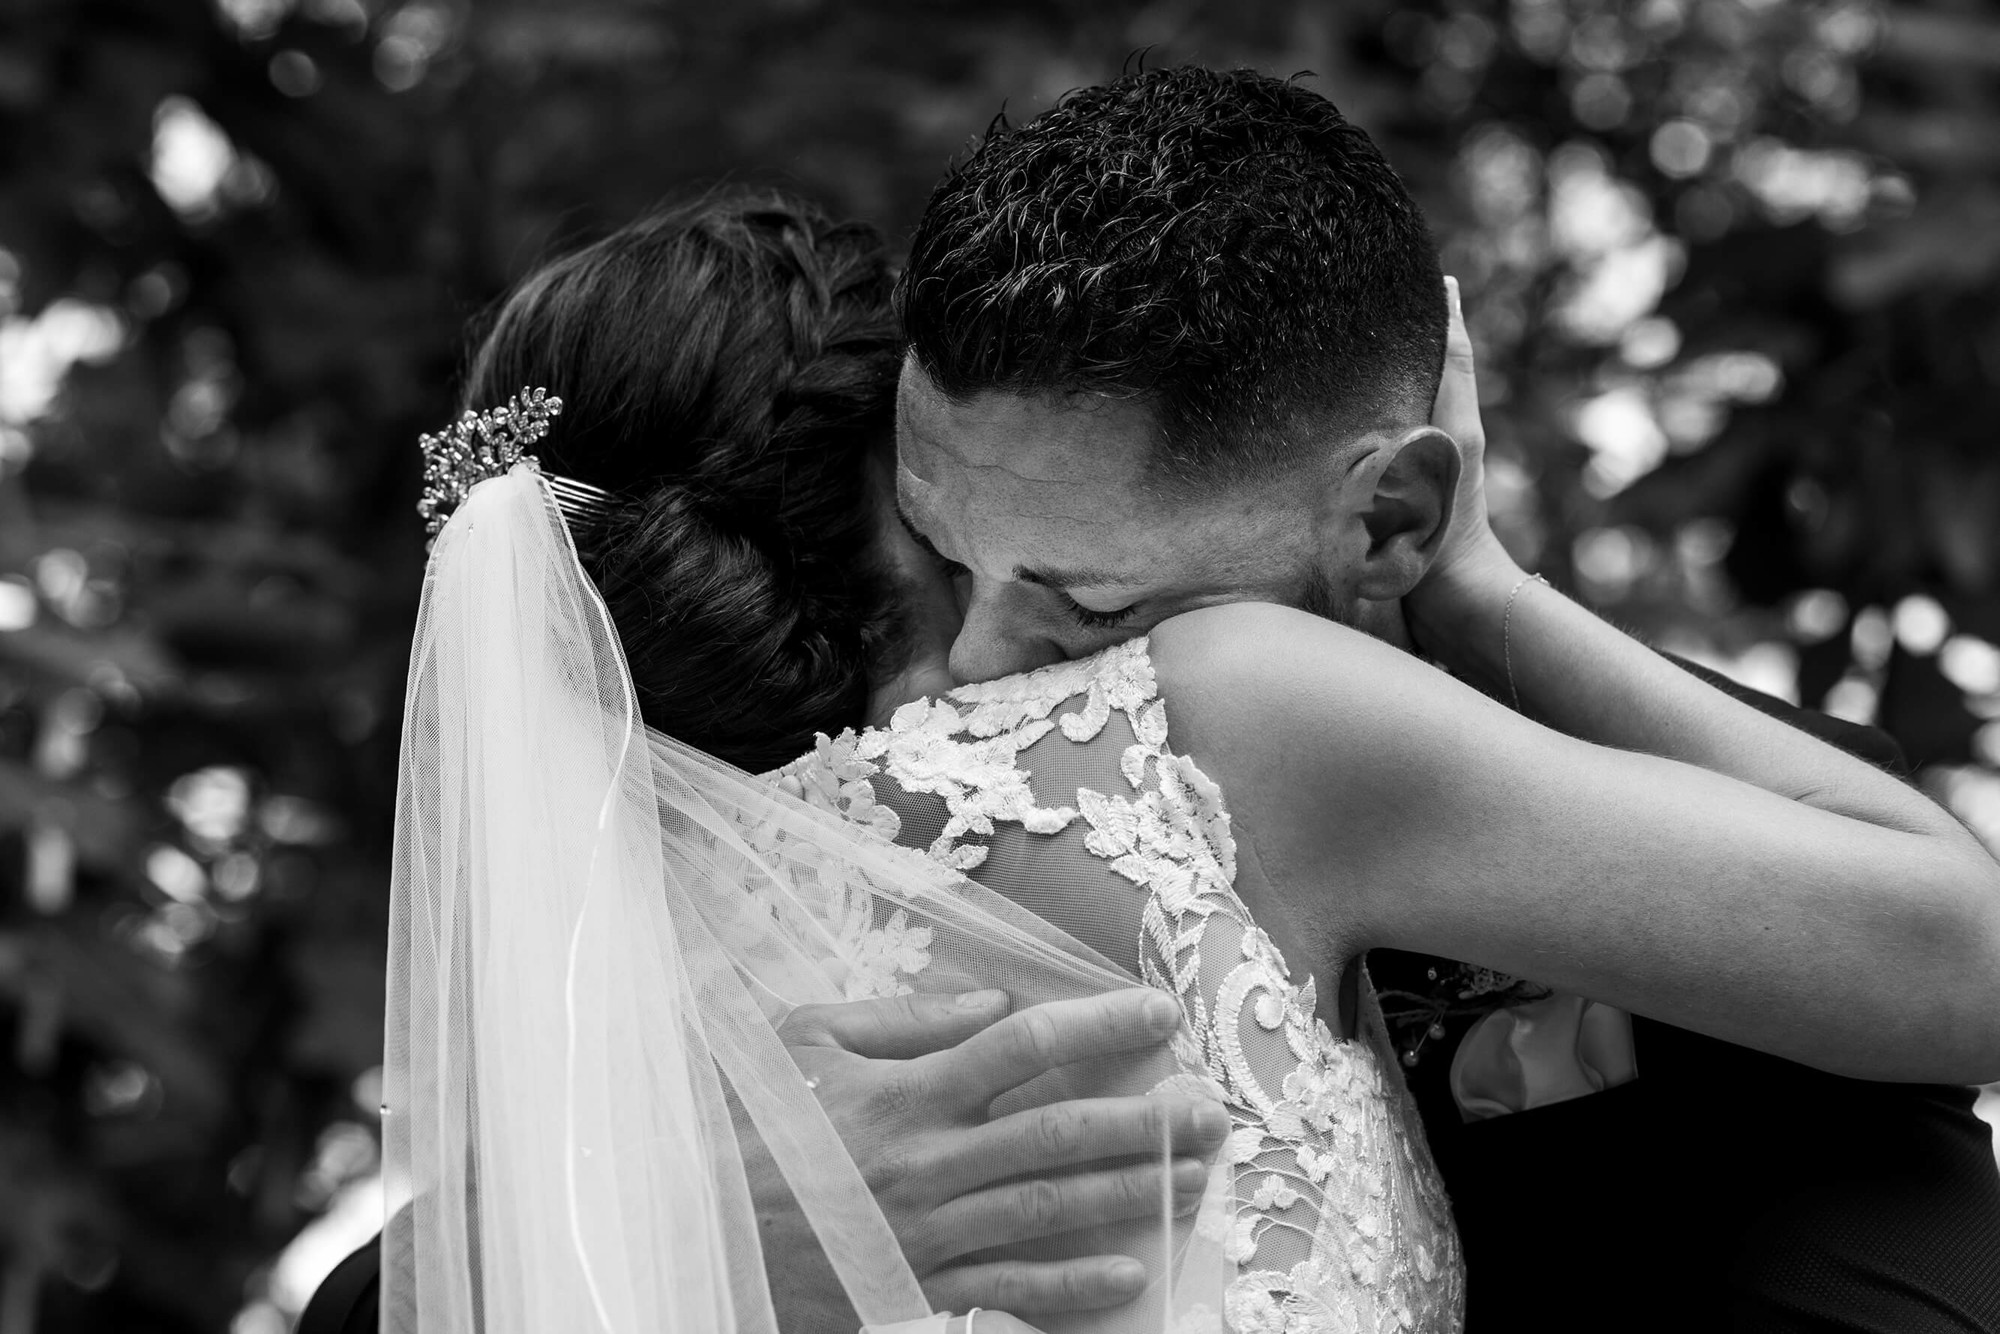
347, 1302
1722, 1190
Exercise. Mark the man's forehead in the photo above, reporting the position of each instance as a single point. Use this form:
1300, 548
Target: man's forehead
1059, 439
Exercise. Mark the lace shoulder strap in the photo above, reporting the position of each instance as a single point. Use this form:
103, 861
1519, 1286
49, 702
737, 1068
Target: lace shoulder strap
965, 749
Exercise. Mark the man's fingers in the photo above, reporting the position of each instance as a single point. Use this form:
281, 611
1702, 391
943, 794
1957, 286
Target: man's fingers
1042, 1288
1058, 1033
895, 1027
1043, 1140
1048, 1206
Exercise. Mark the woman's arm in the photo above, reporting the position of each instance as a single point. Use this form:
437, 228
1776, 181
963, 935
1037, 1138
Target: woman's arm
1389, 804
1565, 667
1677, 852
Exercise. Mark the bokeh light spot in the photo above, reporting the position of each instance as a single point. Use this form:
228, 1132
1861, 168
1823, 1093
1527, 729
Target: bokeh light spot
191, 159
1971, 664
176, 874
294, 74
18, 606
1921, 624
1816, 615
1625, 440
213, 803
1681, 148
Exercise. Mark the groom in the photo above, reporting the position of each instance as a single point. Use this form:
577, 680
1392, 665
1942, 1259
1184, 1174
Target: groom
1129, 322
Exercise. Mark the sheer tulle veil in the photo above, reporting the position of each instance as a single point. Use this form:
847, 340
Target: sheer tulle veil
595, 931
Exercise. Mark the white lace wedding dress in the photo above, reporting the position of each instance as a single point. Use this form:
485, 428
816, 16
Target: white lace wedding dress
1060, 790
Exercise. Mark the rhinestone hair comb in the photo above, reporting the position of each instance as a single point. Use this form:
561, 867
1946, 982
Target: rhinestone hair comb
483, 445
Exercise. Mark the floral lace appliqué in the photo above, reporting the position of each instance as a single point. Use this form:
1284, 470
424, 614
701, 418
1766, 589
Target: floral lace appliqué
1339, 1224
834, 906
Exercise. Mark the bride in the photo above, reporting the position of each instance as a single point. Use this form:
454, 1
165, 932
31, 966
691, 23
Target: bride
690, 568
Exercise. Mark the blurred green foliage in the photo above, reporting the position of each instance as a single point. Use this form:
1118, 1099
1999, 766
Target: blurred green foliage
1731, 265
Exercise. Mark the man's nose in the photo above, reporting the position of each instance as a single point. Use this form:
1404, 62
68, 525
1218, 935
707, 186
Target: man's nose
997, 638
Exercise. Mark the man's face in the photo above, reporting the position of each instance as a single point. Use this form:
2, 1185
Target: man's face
1056, 547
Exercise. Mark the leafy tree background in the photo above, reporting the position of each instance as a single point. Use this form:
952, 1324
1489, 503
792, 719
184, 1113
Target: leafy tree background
1731, 265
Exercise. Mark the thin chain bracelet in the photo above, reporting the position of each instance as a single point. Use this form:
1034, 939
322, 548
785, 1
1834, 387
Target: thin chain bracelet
1507, 635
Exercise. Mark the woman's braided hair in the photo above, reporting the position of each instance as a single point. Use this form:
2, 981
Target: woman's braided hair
726, 366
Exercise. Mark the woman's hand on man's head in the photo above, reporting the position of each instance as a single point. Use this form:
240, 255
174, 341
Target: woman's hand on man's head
1473, 573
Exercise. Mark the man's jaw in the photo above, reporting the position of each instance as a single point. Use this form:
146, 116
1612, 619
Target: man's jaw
1321, 597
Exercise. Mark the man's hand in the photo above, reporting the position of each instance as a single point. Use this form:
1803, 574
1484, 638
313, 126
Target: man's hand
907, 1084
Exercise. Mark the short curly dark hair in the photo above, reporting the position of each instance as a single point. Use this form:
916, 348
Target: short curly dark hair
726, 367
1223, 245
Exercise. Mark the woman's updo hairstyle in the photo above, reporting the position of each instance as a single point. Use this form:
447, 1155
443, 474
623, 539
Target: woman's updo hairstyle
726, 366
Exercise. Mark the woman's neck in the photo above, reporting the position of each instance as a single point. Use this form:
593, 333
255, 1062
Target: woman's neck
926, 674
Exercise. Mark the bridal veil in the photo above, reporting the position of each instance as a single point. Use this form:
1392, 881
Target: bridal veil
595, 932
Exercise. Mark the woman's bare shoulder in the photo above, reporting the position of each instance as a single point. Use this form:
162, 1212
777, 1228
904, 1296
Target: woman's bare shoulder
1298, 715
1248, 661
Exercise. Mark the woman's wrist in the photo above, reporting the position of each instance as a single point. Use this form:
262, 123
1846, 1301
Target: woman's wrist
1458, 615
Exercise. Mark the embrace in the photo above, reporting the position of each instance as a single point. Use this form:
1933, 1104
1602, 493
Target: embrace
1024, 794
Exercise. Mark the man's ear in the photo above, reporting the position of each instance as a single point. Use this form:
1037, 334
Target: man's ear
1407, 489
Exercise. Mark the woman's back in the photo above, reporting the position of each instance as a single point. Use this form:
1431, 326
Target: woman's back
1060, 789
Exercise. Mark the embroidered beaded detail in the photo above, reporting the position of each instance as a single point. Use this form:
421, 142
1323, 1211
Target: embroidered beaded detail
1340, 1224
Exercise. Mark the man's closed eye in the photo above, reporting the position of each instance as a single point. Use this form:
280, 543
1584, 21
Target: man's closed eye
1097, 620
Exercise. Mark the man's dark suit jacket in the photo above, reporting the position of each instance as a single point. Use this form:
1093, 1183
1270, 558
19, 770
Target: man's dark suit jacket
1722, 1189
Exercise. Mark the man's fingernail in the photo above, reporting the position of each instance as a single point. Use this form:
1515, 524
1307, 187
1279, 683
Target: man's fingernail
1190, 1174
1161, 1012
982, 1000
1127, 1273
1211, 1120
